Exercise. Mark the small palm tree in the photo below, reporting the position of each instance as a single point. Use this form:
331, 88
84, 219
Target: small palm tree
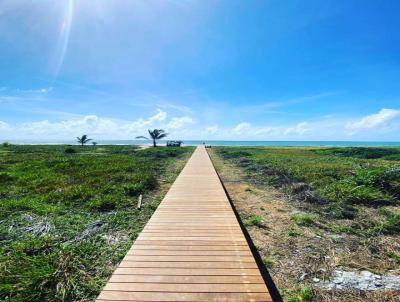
83, 140
94, 144
155, 135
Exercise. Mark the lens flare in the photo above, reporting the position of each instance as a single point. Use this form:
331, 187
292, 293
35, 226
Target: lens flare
63, 40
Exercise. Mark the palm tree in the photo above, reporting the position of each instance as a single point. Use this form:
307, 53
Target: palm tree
94, 144
155, 135
83, 140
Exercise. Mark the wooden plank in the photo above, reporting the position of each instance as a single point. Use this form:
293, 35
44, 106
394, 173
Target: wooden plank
194, 297
186, 279
238, 258
189, 242
192, 248
191, 238
187, 264
189, 253
188, 272
139, 203
187, 288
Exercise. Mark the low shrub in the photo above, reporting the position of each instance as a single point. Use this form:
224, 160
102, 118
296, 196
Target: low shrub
254, 220
233, 154
140, 184
360, 152
389, 181
391, 224
350, 192
341, 210
6, 177
103, 203
303, 294
70, 150
304, 219
268, 261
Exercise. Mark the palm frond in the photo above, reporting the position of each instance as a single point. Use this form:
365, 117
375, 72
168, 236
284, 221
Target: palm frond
162, 135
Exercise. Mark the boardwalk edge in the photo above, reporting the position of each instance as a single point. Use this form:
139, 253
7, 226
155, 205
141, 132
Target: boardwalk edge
273, 290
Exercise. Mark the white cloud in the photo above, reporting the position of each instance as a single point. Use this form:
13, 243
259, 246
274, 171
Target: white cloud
88, 124
4, 126
99, 127
382, 118
141, 124
265, 130
210, 130
159, 117
383, 125
180, 122
300, 129
242, 128
91, 124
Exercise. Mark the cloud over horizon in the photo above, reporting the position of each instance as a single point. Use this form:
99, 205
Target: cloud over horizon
381, 119
384, 122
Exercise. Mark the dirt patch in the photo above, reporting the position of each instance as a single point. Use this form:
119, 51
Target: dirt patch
299, 252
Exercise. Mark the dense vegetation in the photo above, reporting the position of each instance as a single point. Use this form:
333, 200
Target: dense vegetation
339, 183
68, 214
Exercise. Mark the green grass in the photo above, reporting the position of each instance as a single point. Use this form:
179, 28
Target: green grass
268, 261
394, 256
337, 183
67, 218
305, 219
362, 152
302, 294
254, 220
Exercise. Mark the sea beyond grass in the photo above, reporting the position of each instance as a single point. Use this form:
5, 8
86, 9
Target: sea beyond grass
68, 214
338, 183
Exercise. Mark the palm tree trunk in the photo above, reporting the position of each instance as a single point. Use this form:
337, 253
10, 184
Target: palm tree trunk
154, 143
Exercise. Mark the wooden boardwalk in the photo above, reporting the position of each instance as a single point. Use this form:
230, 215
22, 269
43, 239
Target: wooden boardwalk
192, 248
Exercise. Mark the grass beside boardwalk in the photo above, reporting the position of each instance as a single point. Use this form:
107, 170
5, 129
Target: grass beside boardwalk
340, 182
314, 211
68, 214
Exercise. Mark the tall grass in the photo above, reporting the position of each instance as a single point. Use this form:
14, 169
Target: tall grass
67, 218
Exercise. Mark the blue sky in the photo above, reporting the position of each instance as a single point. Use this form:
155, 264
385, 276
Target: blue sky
245, 70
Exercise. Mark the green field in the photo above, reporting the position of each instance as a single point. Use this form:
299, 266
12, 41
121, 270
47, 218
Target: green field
68, 214
359, 185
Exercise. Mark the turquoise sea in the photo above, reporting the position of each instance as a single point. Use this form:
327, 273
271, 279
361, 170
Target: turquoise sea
225, 143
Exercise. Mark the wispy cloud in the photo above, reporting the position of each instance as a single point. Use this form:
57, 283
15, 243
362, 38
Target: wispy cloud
271, 105
300, 129
34, 91
4, 126
20, 94
242, 128
180, 122
211, 130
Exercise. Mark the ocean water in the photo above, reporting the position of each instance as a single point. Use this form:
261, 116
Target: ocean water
225, 143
